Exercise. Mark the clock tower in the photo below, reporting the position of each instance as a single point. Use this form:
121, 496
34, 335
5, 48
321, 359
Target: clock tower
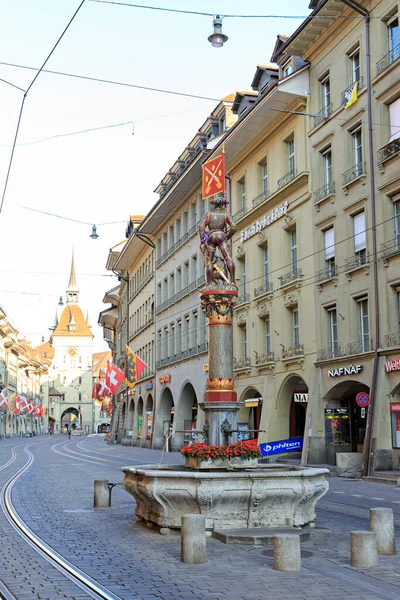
71, 372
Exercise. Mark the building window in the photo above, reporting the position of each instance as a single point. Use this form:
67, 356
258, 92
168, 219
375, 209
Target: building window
242, 194
293, 248
295, 325
178, 343
243, 283
222, 124
329, 236
80, 396
287, 68
327, 167
325, 95
80, 380
194, 268
363, 324
394, 117
264, 178
333, 332
354, 66
291, 155
267, 336
393, 33
266, 264
244, 338
360, 238
396, 219
357, 151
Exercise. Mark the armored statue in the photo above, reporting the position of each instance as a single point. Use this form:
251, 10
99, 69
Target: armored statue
215, 230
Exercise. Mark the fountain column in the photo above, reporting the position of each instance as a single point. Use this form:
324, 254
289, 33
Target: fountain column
220, 402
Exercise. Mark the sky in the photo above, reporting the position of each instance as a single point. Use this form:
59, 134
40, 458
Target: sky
104, 176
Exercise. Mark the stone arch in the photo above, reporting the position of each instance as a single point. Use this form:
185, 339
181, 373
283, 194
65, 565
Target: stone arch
249, 417
121, 421
164, 418
70, 418
290, 417
186, 417
131, 411
148, 421
138, 421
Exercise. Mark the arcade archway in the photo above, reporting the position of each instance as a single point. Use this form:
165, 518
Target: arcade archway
186, 417
291, 408
70, 419
249, 415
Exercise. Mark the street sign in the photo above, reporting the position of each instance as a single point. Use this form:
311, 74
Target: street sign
362, 399
363, 412
300, 397
282, 446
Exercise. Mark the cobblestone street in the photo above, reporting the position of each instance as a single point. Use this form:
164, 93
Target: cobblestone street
55, 499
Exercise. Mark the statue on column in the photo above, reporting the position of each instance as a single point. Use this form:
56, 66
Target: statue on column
215, 230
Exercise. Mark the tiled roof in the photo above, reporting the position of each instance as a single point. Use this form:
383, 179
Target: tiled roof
100, 361
228, 98
248, 93
72, 314
44, 349
271, 66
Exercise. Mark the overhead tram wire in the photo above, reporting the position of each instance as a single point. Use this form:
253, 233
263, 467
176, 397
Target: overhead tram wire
112, 82
12, 85
24, 98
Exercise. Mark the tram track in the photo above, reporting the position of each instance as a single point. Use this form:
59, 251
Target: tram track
53, 558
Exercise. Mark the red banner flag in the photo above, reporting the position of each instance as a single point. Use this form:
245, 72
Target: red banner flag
25, 404
3, 399
214, 176
134, 367
38, 410
114, 377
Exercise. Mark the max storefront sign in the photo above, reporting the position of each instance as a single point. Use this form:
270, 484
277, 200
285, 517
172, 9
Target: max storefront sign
281, 447
351, 370
258, 226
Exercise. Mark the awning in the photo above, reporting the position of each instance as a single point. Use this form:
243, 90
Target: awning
250, 402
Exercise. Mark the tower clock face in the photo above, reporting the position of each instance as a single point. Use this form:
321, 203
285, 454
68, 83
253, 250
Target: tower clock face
72, 351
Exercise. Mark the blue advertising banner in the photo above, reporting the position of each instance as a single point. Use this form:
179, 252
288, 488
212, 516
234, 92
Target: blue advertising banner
281, 447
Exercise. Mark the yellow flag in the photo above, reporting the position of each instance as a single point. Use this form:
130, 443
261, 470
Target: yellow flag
351, 96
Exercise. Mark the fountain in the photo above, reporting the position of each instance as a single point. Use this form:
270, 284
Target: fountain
230, 493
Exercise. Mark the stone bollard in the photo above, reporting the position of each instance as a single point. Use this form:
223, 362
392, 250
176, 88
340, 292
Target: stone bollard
193, 539
363, 549
287, 553
102, 497
382, 524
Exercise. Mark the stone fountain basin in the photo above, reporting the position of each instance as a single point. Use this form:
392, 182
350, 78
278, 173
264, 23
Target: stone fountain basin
267, 496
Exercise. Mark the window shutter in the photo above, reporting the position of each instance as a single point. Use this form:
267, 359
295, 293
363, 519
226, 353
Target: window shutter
360, 242
394, 115
329, 244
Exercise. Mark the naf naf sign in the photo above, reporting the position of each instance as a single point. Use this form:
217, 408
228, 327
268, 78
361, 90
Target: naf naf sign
281, 447
351, 370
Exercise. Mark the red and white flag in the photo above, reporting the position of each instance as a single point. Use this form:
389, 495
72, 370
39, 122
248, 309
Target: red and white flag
114, 377
38, 410
3, 399
25, 404
31, 406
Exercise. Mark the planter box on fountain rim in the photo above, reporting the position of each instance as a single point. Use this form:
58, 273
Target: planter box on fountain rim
195, 462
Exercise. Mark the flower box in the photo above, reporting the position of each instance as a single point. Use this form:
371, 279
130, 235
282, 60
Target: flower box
195, 462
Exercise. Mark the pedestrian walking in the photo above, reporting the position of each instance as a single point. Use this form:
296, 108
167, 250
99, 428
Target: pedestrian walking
50, 431
69, 434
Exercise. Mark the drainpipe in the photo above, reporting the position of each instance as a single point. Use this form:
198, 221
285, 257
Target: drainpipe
366, 466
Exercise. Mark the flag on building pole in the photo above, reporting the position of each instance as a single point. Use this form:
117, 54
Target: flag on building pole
214, 176
3, 399
114, 377
12, 404
351, 96
31, 406
25, 402
134, 367
38, 410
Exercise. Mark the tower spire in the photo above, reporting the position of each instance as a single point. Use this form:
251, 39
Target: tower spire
72, 291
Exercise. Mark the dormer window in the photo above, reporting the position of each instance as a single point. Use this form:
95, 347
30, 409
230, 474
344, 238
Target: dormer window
287, 68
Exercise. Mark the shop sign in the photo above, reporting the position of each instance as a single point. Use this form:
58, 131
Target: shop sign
351, 370
252, 402
281, 447
362, 399
165, 378
392, 365
337, 411
395, 407
148, 385
258, 226
300, 398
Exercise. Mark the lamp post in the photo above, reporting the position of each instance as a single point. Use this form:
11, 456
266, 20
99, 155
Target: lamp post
145, 238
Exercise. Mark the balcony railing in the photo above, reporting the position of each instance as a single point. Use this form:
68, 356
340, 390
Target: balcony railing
327, 190
286, 178
265, 359
388, 151
359, 347
322, 115
347, 350
182, 240
200, 281
355, 262
353, 173
390, 247
147, 372
290, 276
392, 339
267, 288
183, 355
388, 59
243, 298
348, 90
140, 284
143, 327
240, 214
243, 363
329, 353
260, 198
293, 351
328, 273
